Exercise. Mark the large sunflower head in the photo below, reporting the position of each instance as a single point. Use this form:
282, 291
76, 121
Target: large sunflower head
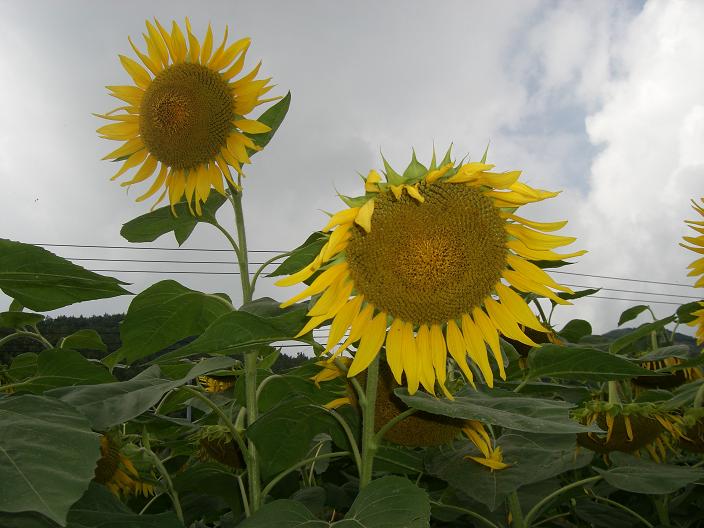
185, 113
697, 267
117, 472
432, 261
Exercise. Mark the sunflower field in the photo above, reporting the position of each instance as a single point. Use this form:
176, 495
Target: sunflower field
443, 395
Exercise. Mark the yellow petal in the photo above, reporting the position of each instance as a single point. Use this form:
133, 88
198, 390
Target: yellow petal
425, 359
518, 308
457, 347
134, 160
130, 94
139, 75
193, 44
372, 181
527, 285
302, 274
468, 172
250, 126
156, 185
536, 239
364, 216
541, 226
475, 345
520, 248
439, 353
370, 344
342, 321
498, 180
167, 39
358, 327
321, 282
436, 174
409, 355
337, 242
505, 323
346, 216
129, 148
227, 56
534, 273
332, 300
153, 67
313, 322
207, 46
218, 52
158, 43
491, 336
144, 172
394, 349
414, 193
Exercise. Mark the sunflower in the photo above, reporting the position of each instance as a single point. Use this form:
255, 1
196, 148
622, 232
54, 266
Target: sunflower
697, 267
116, 471
185, 114
431, 262
629, 428
216, 383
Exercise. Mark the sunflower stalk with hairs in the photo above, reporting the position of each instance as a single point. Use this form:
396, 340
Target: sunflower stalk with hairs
429, 262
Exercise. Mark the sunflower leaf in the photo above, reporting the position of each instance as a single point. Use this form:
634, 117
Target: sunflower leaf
17, 320
631, 313
43, 281
47, 455
383, 503
85, 339
643, 476
684, 312
150, 226
164, 314
273, 117
580, 363
301, 256
643, 330
517, 412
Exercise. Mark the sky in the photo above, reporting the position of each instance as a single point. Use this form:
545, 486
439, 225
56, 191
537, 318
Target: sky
602, 100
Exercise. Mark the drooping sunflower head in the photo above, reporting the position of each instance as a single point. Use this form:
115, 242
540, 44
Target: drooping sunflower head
216, 383
668, 380
185, 114
215, 442
432, 261
693, 437
696, 268
629, 428
117, 472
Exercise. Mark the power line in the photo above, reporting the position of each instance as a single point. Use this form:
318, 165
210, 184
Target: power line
634, 291
157, 261
157, 248
630, 300
623, 279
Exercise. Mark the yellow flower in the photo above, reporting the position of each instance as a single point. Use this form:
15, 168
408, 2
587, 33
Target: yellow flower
493, 458
117, 472
697, 267
185, 114
216, 383
424, 263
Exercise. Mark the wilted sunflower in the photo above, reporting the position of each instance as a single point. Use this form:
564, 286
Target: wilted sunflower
117, 472
424, 262
185, 113
697, 267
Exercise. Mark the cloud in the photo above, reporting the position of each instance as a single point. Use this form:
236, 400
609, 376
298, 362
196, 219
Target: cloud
650, 128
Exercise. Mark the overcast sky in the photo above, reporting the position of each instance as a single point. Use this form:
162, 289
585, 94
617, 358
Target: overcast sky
601, 99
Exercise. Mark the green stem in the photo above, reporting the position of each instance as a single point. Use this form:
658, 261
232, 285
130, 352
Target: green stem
300, 464
167, 480
521, 385
514, 507
243, 493
361, 396
250, 357
542, 314
654, 340
350, 436
369, 444
260, 269
537, 509
472, 514
148, 504
30, 335
663, 513
613, 392
265, 382
624, 508
388, 425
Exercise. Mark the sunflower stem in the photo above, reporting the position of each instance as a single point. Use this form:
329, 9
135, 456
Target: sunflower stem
396, 419
250, 357
538, 508
662, 510
170, 490
514, 506
369, 443
613, 392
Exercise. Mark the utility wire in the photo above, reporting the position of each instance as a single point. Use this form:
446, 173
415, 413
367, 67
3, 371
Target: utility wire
635, 291
622, 278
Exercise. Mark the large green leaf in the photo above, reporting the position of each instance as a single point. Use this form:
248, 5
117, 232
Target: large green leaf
575, 330
580, 363
152, 225
302, 255
99, 508
63, 367
165, 313
111, 404
19, 319
677, 351
43, 281
283, 435
532, 458
642, 331
47, 455
643, 476
210, 479
273, 117
85, 339
388, 502
258, 323
508, 410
